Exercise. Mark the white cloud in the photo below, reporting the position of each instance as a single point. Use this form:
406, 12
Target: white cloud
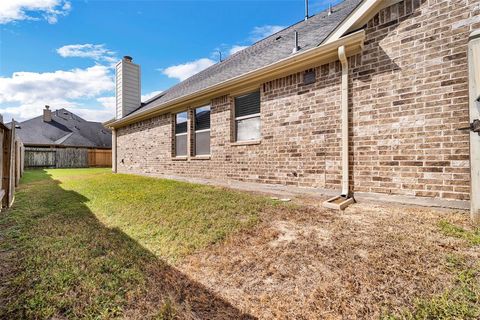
97, 52
17, 10
109, 102
99, 115
27, 87
24, 94
236, 48
150, 95
186, 70
259, 33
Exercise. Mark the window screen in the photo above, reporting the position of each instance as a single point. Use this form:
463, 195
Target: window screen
181, 122
181, 134
247, 117
202, 130
247, 104
202, 118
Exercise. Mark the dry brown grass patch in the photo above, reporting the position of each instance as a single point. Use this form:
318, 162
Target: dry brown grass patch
308, 262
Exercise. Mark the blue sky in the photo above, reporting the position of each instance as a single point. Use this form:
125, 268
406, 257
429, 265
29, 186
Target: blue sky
61, 53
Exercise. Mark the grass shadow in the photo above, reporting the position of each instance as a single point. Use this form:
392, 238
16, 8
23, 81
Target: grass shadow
59, 261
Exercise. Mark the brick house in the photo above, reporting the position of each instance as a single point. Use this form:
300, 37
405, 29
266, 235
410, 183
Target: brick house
381, 86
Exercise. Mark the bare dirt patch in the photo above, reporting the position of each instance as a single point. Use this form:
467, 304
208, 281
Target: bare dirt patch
309, 263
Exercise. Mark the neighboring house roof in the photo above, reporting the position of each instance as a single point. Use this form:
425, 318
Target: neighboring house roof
311, 33
65, 129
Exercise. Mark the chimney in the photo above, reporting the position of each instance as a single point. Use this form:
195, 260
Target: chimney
47, 114
127, 87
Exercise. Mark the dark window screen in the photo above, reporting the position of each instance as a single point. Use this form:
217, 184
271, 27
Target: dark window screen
202, 143
181, 145
202, 118
247, 104
181, 122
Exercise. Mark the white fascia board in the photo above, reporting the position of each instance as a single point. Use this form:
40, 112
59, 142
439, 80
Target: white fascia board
359, 17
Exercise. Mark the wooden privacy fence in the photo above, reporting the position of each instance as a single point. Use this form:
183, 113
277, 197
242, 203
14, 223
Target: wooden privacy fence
67, 157
99, 158
11, 159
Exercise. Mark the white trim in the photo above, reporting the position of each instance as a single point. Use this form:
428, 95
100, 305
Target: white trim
359, 17
203, 130
181, 134
248, 116
206, 105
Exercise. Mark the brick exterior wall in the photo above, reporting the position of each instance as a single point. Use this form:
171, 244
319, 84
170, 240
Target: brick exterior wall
408, 95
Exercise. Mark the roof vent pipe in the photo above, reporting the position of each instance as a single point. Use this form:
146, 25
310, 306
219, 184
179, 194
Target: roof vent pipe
306, 10
296, 47
330, 9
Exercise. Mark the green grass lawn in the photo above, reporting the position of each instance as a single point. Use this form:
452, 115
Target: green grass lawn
89, 244
85, 243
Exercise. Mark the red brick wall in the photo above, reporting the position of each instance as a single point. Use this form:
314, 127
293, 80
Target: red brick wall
408, 91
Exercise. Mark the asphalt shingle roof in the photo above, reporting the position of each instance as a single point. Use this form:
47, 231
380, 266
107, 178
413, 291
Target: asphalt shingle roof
276, 47
65, 129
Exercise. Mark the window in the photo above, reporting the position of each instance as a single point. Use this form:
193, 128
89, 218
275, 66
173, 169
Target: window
181, 134
202, 130
247, 117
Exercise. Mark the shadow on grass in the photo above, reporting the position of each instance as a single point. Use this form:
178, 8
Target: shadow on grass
59, 260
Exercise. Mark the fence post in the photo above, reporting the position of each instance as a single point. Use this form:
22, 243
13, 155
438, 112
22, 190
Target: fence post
8, 182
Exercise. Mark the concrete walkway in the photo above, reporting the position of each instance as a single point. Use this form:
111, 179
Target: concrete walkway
283, 191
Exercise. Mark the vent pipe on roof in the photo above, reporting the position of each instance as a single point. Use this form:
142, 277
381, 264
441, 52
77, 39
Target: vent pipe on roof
306, 10
330, 9
296, 47
47, 114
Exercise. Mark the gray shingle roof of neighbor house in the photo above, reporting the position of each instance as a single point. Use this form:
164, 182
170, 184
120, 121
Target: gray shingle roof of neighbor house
311, 33
65, 129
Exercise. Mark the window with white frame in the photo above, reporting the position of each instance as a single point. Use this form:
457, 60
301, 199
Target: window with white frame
181, 134
247, 117
202, 130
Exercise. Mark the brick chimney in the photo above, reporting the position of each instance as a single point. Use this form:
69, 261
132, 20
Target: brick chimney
47, 114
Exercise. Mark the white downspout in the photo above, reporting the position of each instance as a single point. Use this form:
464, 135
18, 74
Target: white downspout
344, 107
344, 199
474, 106
114, 150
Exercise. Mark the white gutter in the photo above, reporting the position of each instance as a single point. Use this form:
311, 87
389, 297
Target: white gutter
344, 110
353, 44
